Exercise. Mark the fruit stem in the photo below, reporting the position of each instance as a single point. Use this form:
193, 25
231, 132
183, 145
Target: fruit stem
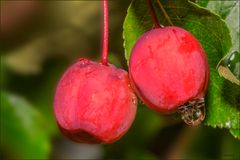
164, 13
153, 15
105, 33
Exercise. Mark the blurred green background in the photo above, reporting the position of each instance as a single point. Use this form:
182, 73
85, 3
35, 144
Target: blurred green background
39, 40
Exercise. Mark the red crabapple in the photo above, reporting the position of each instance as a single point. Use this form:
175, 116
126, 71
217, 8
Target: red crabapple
94, 103
168, 67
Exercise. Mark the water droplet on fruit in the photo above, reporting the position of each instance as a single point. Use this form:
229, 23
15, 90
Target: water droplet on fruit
193, 111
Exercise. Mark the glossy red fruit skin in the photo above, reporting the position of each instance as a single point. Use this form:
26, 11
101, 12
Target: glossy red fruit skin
94, 103
167, 68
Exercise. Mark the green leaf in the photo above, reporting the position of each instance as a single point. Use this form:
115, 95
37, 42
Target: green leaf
202, 3
22, 129
229, 11
222, 103
232, 20
221, 8
235, 133
222, 106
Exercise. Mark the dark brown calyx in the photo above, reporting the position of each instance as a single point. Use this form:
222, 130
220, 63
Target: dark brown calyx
193, 111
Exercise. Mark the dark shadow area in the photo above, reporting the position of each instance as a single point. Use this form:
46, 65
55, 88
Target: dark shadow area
231, 94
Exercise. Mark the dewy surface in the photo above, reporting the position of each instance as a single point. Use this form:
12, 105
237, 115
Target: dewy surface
167, 68
94, 103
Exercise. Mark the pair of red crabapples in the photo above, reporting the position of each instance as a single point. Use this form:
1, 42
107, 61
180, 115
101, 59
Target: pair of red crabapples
95, 103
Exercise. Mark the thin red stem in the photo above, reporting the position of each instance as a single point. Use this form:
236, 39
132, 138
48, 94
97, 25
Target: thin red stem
153, 15
105, 33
